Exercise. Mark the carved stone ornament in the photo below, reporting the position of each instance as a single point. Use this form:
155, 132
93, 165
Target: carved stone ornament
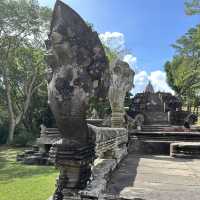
121, 83
77, 70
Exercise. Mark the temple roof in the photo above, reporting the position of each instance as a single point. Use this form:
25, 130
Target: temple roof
149, 88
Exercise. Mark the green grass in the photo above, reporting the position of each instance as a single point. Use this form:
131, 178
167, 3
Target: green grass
24, 182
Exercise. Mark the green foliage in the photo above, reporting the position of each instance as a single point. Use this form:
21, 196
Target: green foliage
90, 25
110, 53
3, 124
39, 113
189, 44
101, 106
22, 182
170, 76
22, 27
23, 137
183, 72
128, 101
192, 7
3, 133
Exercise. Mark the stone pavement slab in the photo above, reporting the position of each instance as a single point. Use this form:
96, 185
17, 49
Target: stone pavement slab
153, 177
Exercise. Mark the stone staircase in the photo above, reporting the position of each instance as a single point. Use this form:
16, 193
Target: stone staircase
156, 139
155, 127
167, 133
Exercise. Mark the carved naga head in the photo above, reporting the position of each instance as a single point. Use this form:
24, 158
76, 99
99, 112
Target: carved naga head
122, 75
77, 65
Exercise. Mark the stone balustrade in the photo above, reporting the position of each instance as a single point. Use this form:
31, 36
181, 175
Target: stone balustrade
110, 149
110, 142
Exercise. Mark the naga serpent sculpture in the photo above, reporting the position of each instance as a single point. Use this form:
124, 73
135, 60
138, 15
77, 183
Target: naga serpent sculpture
77, 70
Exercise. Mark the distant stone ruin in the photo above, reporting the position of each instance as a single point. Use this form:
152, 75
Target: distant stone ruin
158, 108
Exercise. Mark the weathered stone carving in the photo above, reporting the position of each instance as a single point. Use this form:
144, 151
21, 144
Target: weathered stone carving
149, 88
77, 70
159, 108
121, 82
109, 141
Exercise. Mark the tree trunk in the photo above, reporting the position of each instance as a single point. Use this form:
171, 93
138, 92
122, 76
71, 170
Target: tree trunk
188, 107
12, 121
11, 132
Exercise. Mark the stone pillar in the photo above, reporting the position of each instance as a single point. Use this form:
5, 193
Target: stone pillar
77, 71
121, 82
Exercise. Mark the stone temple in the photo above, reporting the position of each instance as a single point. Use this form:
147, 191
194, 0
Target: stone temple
157, 108
156, 120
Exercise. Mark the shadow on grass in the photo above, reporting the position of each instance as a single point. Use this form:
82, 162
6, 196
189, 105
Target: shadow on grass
22, 172
3, 162
10, 169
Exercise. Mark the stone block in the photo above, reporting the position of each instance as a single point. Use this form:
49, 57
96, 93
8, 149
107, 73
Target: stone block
185, 149
101, 173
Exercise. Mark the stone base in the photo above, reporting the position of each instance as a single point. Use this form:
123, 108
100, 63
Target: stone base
71, 195
74, 163
101, 174
148, 147
111, 148
185, 150
34, 157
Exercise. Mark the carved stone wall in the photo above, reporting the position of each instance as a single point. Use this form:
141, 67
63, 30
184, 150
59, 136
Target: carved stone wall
111, 143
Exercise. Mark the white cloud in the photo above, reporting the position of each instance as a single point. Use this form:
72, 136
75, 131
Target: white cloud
131, 60
159, 81
114, 40
141, 78
157, 78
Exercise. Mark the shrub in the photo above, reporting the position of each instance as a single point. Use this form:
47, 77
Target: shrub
23, 137
3, 133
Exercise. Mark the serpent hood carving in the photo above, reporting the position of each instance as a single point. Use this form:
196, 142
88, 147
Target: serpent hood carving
77, 70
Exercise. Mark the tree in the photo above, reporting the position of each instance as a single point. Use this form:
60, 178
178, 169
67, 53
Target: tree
183, 72
170, 70
21, 58
192, 7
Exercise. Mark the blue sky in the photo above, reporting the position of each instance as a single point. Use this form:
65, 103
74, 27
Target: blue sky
148, 28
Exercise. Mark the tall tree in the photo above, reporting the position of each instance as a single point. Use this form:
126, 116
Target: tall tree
183, 72
21, 58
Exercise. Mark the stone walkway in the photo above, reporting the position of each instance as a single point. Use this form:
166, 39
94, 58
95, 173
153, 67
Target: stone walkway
156, 178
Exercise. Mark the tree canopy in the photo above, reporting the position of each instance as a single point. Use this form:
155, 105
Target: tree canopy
183, 71
192, 7
22, 66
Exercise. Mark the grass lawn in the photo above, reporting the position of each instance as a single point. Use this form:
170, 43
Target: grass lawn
24, 182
